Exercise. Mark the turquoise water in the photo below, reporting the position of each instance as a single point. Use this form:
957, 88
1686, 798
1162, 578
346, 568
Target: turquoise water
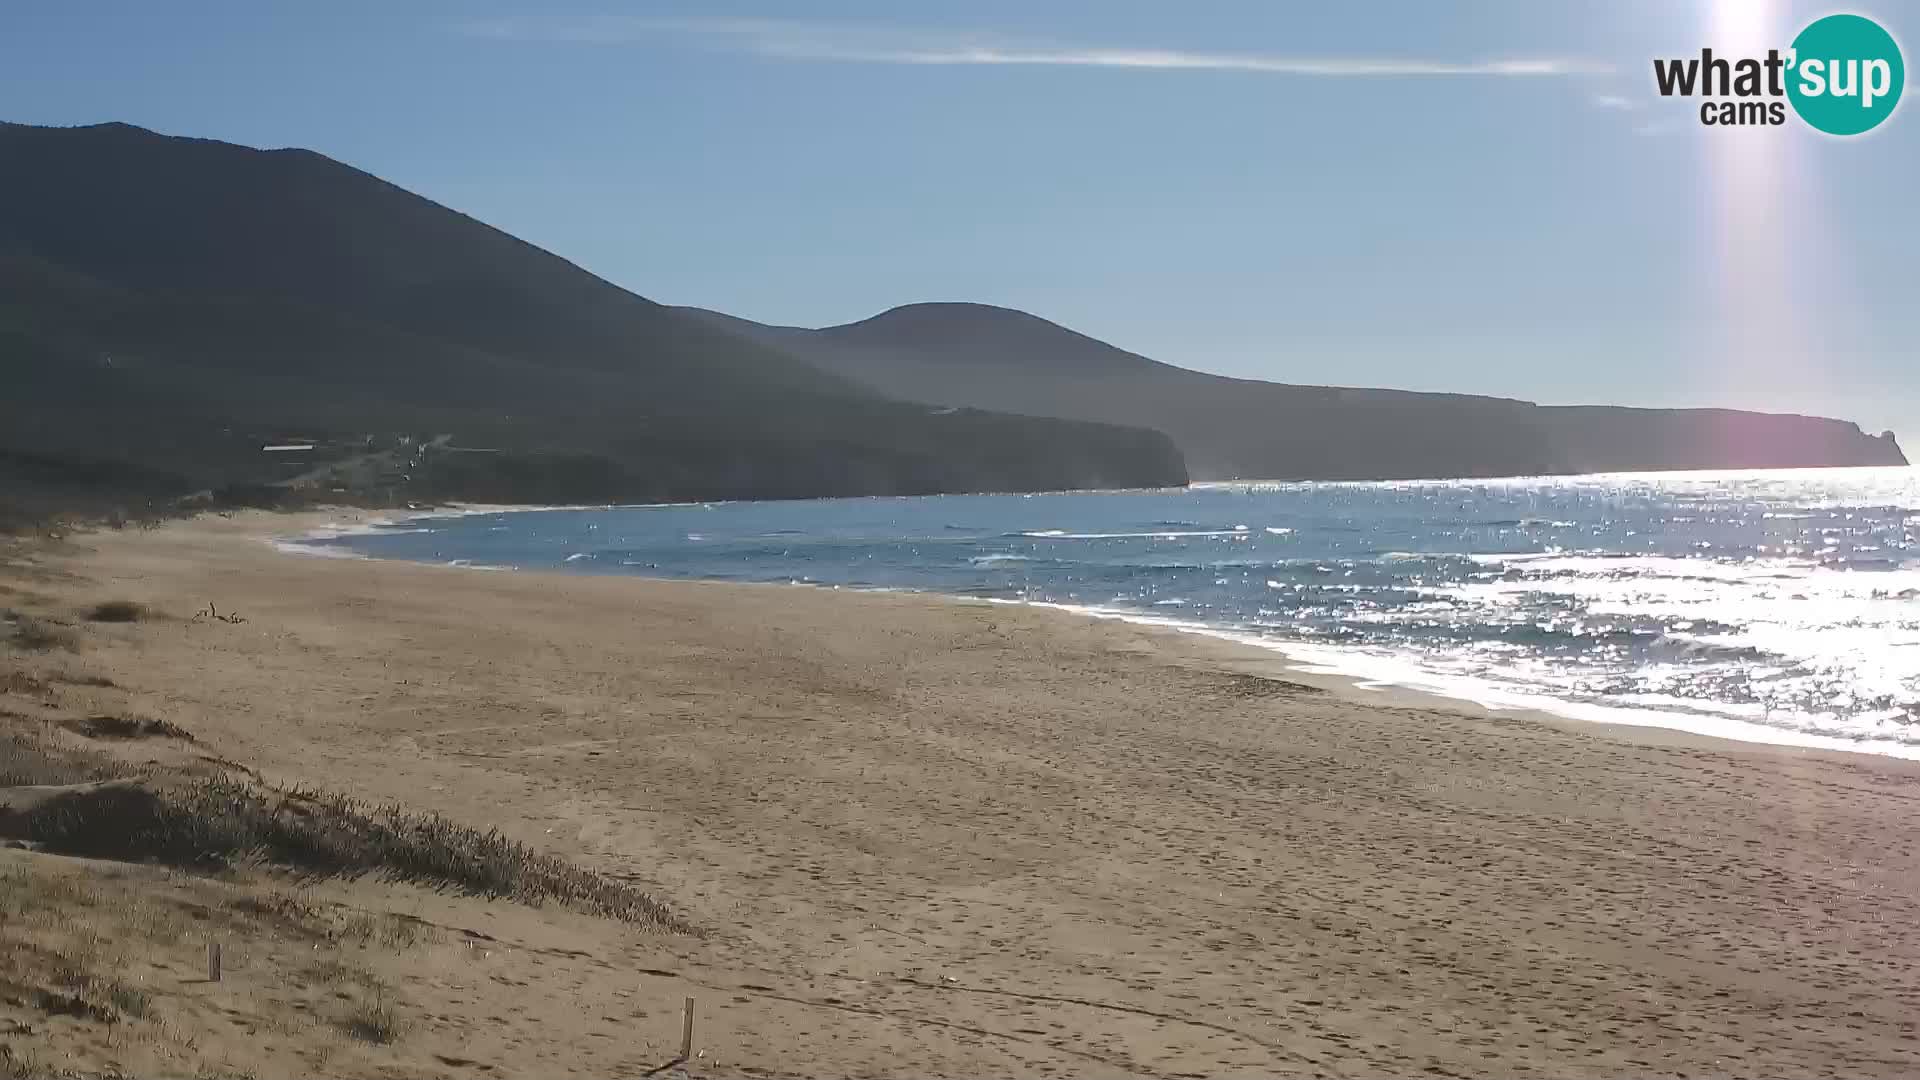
1779, 606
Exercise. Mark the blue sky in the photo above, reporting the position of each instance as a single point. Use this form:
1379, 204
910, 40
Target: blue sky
1477, 197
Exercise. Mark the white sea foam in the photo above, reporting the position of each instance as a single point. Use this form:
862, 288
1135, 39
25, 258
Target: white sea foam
1371, 670
323, 551
1056, 534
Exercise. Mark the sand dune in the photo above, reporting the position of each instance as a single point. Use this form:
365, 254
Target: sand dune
932, 837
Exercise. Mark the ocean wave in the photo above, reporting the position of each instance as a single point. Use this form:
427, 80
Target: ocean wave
324, 551
1607, 564
1415, 556
995, 560
1714, 647
1370, 668
1057, 534
1498, 558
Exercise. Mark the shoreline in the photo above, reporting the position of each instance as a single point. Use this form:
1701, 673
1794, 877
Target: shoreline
923, 836
1356, 671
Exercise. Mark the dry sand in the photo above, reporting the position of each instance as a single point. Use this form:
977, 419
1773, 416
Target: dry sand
933, 837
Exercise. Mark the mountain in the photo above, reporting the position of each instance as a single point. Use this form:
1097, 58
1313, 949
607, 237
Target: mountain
995, 358
176, 303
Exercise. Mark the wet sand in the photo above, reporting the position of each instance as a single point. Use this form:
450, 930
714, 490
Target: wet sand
935, 837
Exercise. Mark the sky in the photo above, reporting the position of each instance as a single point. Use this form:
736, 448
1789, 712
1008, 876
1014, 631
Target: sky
1474, 197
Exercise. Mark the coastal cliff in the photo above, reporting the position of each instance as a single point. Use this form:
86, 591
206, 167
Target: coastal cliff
990, 357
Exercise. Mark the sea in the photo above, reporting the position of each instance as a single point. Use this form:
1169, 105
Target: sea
1769, 606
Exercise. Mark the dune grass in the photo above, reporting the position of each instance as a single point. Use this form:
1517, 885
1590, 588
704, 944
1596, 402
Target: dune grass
117, 611
22, 682
210, 823
33, 634
28, 761
375, 1020
115, 949
126, 726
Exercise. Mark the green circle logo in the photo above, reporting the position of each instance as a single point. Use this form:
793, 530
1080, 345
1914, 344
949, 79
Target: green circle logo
1846, 74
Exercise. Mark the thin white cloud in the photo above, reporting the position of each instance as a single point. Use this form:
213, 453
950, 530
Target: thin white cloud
881, 45
1615, 101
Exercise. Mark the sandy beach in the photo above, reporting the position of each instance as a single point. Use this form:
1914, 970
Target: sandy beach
932, 837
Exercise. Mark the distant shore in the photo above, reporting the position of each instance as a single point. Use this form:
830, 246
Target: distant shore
931, 837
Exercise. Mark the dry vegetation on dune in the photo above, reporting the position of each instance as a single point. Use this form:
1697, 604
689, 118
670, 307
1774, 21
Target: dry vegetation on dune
126, 726
201, 818
117, 611
103, 973
28, 760
101, 809
127, 849
211, 822
32, 634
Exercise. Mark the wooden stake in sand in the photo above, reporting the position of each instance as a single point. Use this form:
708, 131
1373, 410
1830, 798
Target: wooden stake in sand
686, 1033
213, 961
